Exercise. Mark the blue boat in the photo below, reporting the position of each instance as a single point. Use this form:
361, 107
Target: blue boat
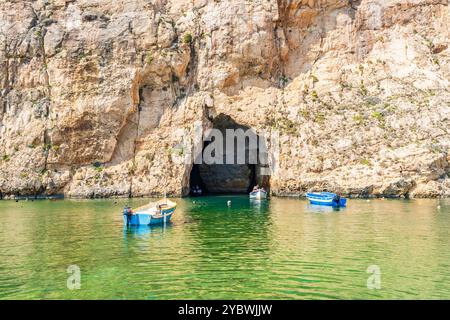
151, 214
326, 199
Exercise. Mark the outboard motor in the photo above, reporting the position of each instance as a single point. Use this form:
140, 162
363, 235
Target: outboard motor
128, 213
337, 199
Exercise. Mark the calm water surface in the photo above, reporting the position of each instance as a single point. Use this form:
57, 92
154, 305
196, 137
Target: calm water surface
275, 249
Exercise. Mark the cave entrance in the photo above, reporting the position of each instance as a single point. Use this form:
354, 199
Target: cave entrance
244, 171
196, 180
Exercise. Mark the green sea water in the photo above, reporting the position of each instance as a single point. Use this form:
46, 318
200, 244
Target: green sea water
275, 249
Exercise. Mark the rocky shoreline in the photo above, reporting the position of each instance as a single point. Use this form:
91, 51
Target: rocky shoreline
301, 196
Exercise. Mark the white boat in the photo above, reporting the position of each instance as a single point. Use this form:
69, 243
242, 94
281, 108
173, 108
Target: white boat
258, 194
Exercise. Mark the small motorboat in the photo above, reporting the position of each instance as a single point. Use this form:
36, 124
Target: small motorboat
196, 191
326, 199
258, 194
159, 212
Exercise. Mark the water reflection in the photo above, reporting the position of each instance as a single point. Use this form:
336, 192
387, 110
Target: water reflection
144, 232
259, 205
276, 248
313, 208
223, 262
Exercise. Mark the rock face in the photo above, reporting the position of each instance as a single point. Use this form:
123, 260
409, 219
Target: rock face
104, 98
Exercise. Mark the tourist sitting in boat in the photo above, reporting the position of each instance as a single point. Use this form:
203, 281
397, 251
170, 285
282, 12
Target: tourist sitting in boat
255, 188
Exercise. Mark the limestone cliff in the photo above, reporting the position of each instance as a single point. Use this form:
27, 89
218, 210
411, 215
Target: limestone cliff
92, 93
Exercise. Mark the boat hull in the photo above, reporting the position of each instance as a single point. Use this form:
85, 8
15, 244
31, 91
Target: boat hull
258, 195
140, 219
342, 203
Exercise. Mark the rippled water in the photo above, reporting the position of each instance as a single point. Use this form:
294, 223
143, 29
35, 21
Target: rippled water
280, 249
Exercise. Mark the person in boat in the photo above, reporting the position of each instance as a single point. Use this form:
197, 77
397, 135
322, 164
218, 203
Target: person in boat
162, 206
255, 188
128, 211
337, 199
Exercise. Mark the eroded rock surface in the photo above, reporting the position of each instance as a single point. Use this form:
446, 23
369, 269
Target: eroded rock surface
98, 96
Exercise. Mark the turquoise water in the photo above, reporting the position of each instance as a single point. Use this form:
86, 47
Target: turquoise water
275, 249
